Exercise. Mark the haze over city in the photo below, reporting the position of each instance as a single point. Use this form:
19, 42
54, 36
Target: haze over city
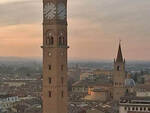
92, 34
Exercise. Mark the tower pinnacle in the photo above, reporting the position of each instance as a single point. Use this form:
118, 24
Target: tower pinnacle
119, 55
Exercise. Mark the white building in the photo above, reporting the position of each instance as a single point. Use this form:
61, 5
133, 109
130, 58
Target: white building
143, 90
7, 101
134, 105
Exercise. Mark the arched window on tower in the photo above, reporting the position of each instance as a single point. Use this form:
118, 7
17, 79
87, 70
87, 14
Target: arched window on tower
49, 39
61, 40
118, 68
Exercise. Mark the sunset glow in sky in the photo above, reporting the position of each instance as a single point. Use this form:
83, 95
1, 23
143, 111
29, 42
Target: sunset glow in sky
94, 28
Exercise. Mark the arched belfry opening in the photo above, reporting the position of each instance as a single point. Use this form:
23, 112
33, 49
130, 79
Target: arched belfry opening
49, 38
118, 68
61, 40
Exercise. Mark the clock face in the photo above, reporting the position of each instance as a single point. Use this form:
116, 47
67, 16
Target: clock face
49, 11
61, 11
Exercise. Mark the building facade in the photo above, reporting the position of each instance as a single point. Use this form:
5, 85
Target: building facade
7, 102
54, 92
98, 94
80, 88
119, 76
143, 90
134, 105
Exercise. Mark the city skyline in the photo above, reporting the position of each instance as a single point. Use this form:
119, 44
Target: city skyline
93, 35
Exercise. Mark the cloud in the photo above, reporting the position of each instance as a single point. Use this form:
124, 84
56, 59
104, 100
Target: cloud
115, 16
94, 26
20, 12
21, 40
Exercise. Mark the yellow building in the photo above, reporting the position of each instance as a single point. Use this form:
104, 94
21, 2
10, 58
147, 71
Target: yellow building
84, 75
102, 72
98, 94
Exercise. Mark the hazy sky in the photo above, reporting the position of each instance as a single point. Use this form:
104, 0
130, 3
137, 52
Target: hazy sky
95, 27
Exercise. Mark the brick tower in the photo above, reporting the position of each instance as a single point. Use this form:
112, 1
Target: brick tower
54, 92
119, 76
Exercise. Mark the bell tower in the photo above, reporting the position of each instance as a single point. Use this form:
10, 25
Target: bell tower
54, 92
119, 76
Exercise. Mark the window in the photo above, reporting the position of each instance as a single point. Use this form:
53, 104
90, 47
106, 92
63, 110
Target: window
137, 108
49, 80
127, 91
129, 108
133, 108
144, 109
140, 108
61, 40
118, 68
148, 109
50, 41
125, 108
49, 67
50, 94
62, 94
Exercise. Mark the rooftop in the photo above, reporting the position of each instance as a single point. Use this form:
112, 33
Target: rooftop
99, 90
6, 96
143, 87
87, 83
135, 100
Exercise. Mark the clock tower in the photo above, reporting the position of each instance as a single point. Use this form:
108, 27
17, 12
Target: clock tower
54, 92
